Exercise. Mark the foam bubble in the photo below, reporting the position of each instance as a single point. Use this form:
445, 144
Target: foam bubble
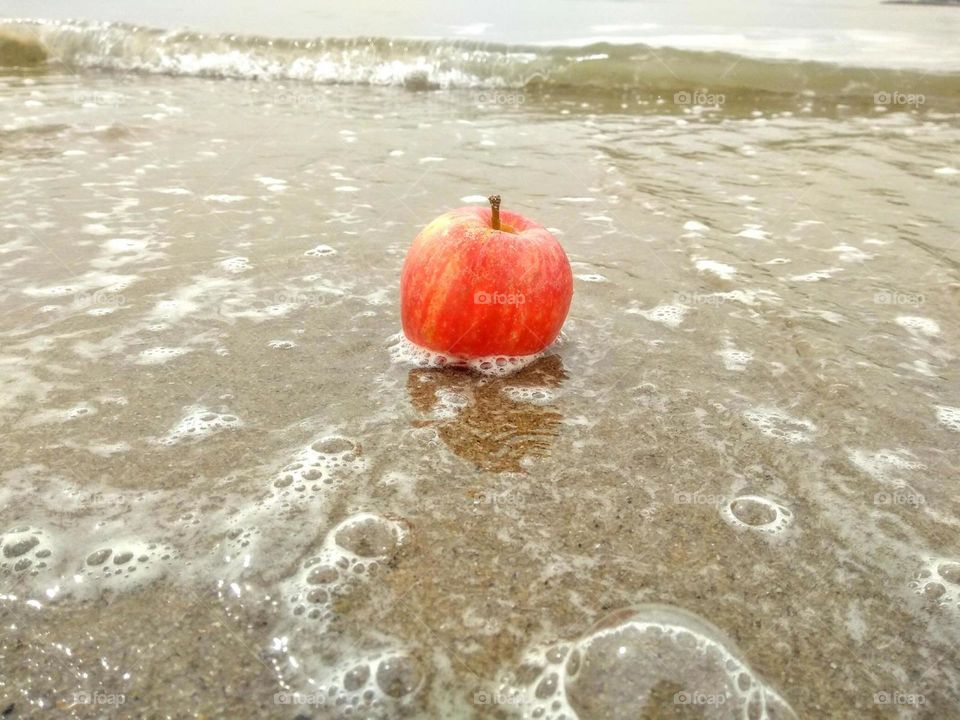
315, 468
235, 264
940, 580
753, 512
160, 355
592, 278
884, 464
402, 351
122, 564
25, 550
535, 395
778, 424
735, 360
281, 344
618, 669
199, 423
320, 251
351, 553
695, 226
669, 315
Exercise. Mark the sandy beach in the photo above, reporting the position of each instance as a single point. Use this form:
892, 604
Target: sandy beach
728, 490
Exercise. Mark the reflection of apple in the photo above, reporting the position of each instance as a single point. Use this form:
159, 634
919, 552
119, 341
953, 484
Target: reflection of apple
491, 429
478, 282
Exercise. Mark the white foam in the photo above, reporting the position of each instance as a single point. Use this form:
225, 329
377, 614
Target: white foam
778, 424
940, 580
591, 278
721, 270
160, 355
919, 325
816, 276
281, 344
225, 199
404, 352
27, 551
198, 423
735, 360
695, 226
531, 394
121, 564
351, 554
615, 670
736, 510
753, 232
670, 315
949, 417
235, 264
320, 251
849, 253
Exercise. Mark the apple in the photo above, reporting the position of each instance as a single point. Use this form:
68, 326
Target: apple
478, 282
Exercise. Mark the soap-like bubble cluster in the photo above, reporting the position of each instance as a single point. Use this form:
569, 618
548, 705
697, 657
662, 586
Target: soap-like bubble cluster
778, 424
123, 564
160, 355
670, 315
940, 581
535, 395
753, 512
374, 686
320, 251
281, 344
317, 466
199, 423
735, 360
407, 353
352, 552
25, 550
645, 662
235, 264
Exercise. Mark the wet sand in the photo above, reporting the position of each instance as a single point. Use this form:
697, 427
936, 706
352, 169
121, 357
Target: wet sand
201, 282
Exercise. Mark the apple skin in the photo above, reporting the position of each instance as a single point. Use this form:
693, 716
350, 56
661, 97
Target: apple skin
471, 291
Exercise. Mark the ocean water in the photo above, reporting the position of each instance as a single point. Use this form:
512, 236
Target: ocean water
227, 488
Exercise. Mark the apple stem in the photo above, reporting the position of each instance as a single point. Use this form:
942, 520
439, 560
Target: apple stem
495, 206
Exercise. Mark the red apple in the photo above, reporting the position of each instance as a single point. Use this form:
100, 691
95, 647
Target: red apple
478, 282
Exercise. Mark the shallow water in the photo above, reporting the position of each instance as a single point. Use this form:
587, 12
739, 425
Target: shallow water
222, 496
